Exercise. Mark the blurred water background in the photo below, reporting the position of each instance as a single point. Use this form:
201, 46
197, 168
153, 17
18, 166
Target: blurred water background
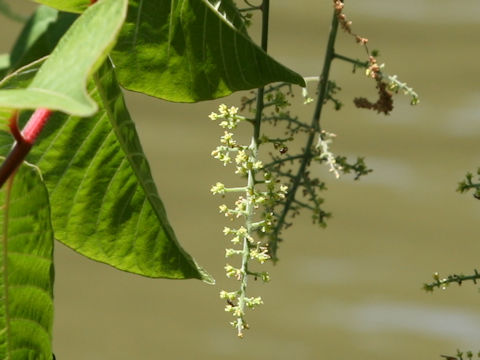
352, 290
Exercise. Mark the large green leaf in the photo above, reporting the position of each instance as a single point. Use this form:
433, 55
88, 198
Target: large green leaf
103, 199
39, 36
191, 50
26, 268
61, 82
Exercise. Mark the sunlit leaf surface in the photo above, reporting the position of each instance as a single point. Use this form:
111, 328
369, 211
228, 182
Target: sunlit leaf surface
104, 202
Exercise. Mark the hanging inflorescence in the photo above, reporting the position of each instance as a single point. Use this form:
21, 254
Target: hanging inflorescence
277, 190
260, 192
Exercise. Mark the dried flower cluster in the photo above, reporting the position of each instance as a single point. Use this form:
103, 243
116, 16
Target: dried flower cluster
384, 104
345, 24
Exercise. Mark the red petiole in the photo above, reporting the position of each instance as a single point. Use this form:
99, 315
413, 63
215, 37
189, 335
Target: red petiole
24, 141
35, 125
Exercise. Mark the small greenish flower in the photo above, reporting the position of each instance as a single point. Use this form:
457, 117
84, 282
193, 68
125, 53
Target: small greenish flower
223, 109
240, 206
233, 272
229, 295
215, 153
233, 111
236, 240
225, 124
227, 139
257, 165
241, 157
234, 323
226, 159
242, 231
265, 277
237, 311
242, 170
252, 302
218, 188
231, 252
260, 253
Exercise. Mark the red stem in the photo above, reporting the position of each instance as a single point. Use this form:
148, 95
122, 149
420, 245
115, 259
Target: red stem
24, 141
35, 125
13, 125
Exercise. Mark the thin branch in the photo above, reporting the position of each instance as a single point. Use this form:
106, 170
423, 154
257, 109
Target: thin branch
355, 62
283, 160
315, 125
454, 278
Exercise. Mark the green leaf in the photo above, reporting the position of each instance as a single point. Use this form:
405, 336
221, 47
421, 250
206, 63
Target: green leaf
60, 83
104, 202
39, 36
75, 6
189, 50
26, 270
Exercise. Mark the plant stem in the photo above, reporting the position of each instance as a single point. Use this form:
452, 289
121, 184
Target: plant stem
355, 62
250, 211
24, 141
455, 278
35, 125
284, 160
315, 125
260, 92
250, 208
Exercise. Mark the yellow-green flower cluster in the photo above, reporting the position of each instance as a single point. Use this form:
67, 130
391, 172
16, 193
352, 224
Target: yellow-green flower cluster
229, 116
265, 192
